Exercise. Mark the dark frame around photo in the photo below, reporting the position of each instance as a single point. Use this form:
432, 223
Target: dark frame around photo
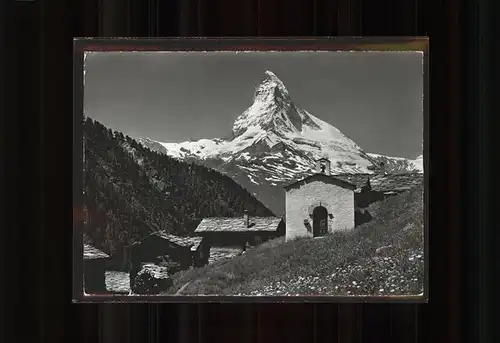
82, 45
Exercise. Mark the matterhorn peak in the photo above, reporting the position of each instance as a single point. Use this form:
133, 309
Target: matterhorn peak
271, 110
273, 142
271, 77
271, 89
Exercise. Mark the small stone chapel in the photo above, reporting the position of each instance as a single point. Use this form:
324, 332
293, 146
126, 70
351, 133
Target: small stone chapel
319, 204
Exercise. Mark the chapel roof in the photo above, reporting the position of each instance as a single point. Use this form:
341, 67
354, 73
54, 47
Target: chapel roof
318, 176
378, 182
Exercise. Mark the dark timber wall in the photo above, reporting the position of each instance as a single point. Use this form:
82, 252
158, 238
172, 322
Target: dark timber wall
152, 249
94, 275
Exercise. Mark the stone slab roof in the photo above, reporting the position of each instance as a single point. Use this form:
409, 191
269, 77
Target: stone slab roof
188, 242
225, 224
92, 253
218, 253
156, 271
384, 183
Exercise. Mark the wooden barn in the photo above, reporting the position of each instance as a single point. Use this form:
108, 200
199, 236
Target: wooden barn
94, 268
232, 234
164, 249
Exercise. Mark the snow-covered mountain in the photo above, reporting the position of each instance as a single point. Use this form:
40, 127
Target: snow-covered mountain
272, 143
419, 163
395, 164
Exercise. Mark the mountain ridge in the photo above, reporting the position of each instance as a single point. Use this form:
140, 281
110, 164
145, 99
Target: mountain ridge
273, 142
131, 191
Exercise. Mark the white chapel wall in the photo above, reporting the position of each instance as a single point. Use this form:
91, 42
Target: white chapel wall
300, 200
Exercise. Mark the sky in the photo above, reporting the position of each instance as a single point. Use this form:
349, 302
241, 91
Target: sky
375, 98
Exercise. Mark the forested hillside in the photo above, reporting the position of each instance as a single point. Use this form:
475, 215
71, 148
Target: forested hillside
131, 191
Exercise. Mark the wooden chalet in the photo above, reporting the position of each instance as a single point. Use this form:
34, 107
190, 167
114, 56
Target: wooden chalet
167, 250
223, 233
94, 269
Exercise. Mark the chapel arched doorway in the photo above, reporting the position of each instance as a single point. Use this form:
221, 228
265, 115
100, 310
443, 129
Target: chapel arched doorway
320, 221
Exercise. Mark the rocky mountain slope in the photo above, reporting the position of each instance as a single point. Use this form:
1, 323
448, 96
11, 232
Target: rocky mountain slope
272, 143
398, 164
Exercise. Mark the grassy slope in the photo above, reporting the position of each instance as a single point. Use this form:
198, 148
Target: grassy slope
343, 263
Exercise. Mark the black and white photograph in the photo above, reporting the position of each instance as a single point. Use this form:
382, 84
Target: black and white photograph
253, 173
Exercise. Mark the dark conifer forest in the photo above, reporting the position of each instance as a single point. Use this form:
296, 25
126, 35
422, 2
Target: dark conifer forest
131, 191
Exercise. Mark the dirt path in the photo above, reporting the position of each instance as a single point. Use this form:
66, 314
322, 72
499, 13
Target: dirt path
183, 288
